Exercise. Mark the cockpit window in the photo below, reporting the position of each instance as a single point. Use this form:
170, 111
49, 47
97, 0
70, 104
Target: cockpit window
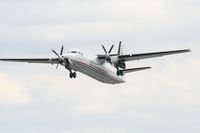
74, 52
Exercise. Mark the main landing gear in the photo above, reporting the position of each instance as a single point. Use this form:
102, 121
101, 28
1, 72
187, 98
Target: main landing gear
120, 73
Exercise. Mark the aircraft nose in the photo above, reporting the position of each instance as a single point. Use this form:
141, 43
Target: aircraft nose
70, 56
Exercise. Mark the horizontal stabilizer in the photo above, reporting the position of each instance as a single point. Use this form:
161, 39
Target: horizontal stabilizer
135, 69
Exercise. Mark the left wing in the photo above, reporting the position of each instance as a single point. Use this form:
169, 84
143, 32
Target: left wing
33, 60
131, 57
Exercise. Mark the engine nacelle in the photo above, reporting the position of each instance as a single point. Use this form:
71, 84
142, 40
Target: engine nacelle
121, 64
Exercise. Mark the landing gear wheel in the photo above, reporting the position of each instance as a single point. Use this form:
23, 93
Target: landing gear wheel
71, 75
118, 73
74, 74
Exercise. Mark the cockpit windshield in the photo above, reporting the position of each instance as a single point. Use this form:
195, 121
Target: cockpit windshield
75, 52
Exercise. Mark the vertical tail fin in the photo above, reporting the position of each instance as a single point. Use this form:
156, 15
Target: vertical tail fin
120, 49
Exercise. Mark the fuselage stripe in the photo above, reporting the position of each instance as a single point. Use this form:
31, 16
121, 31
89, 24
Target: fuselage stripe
99, 72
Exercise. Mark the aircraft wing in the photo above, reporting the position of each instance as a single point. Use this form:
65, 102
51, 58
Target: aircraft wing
33, 60
131, 57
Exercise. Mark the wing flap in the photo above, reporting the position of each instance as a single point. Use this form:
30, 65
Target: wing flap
150, 55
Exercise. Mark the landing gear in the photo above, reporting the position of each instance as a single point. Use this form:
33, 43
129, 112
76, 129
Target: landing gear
120, 73
72, 75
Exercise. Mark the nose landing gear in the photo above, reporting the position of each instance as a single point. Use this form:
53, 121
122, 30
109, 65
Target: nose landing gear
72, 75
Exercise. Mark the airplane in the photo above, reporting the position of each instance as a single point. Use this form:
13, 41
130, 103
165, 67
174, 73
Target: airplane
107, 68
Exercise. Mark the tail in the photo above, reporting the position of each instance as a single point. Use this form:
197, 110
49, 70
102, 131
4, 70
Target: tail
120, 49
134, 69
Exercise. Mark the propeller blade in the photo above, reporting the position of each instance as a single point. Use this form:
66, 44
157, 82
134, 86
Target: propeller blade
104, 49
119, 49
61, 52
57, 66
55, 52
111, 49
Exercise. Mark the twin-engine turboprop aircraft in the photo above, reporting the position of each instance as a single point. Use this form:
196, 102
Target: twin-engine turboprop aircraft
107, 68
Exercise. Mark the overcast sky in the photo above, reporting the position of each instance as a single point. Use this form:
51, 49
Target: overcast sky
37, 98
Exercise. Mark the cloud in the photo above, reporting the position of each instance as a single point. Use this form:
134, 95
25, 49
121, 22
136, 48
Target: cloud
100, 130
12, 92
164, 99
169, 88
97, 129
30, 12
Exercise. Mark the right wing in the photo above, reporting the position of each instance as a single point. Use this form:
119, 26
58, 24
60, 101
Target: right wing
33, 60
131, 57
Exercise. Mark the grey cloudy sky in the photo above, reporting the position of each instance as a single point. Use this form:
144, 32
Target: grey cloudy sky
39, 99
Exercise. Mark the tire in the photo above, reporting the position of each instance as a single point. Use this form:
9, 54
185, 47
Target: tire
74, 75
71, 75
118, 73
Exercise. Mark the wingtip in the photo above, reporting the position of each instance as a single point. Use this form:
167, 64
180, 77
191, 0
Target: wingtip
189, 50
149, 67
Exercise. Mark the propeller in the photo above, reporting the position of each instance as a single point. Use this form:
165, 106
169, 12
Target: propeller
60, 58
109, 50
108, 58
118, 63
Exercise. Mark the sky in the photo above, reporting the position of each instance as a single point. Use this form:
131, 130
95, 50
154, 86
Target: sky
37, 98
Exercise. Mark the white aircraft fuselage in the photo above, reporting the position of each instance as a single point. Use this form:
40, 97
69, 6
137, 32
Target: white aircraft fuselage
103, 72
